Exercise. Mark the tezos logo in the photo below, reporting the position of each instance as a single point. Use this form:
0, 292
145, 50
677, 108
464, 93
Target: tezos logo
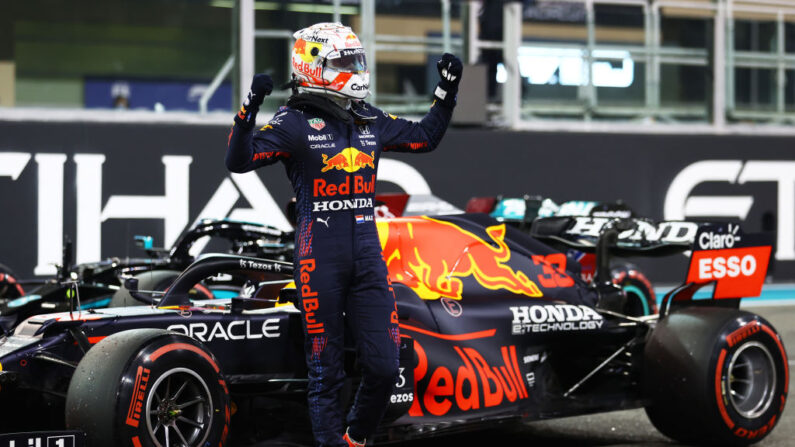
253, 265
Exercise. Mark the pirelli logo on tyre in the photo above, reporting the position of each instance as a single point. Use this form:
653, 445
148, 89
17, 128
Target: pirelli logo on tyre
137, 399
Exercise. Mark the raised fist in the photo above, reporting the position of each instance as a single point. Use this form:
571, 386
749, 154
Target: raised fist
261, 86
450, 68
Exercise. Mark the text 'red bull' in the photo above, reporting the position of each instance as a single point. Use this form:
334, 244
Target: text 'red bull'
322, 188
309, 298
473, 385
448, 253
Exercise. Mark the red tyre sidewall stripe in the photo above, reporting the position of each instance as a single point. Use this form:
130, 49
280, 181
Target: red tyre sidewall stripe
718, 394
784, 358
201, 289
719, 371
10, 280
185, 346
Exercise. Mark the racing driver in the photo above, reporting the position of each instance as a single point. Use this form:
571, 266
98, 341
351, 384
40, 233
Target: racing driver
330, 141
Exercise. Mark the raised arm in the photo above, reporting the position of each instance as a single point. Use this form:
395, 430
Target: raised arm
249, 149
401, 135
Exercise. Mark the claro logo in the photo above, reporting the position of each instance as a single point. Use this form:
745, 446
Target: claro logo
680, 204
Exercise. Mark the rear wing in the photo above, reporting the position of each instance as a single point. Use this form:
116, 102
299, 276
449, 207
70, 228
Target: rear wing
638, 236
734, 263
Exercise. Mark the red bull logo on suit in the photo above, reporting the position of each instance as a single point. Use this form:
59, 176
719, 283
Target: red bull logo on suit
349, 159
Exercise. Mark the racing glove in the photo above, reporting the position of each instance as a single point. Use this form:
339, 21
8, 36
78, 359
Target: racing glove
261, 86
450, 70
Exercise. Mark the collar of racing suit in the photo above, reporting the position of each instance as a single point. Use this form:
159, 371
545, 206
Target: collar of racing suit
359, 110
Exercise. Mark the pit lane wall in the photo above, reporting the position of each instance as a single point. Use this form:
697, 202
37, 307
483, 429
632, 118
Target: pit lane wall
102, 183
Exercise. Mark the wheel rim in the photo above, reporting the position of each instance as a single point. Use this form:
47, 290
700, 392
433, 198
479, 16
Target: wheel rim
751, 380
179, 409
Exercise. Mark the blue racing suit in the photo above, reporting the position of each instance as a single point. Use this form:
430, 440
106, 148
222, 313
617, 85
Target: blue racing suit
331, 157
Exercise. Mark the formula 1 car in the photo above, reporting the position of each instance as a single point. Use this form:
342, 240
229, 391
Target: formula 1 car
495, 326
521, 212
98, 284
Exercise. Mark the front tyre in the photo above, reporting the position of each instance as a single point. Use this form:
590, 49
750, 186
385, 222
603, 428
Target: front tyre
149, 387
716, 376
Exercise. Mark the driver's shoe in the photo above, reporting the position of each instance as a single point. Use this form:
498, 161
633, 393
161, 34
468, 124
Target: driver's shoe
351, 442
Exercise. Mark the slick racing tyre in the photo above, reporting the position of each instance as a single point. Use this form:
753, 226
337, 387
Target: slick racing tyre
149, 387
9, 287
715, 376
157, 280
640, 293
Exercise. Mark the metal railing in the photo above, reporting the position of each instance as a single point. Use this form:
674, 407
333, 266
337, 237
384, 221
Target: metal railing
722, 60
247, 33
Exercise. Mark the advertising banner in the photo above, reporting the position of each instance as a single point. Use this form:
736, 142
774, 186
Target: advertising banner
100, 184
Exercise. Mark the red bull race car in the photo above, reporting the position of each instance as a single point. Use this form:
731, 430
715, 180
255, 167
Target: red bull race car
496, 326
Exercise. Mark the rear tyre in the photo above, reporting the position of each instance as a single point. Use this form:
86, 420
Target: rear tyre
9, 287
149, 387
641, 299
715, 376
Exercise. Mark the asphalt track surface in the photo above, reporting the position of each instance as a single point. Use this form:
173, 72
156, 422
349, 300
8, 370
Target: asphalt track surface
626, 428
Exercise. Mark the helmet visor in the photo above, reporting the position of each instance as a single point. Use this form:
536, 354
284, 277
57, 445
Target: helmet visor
348, 61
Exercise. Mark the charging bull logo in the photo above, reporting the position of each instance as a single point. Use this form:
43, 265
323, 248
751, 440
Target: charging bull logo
352, 41
305, 49
449, 253
349, 159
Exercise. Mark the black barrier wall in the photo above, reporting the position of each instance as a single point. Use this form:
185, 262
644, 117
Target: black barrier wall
101, 184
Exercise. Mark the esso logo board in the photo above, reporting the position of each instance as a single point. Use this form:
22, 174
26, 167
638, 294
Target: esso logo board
738, 272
